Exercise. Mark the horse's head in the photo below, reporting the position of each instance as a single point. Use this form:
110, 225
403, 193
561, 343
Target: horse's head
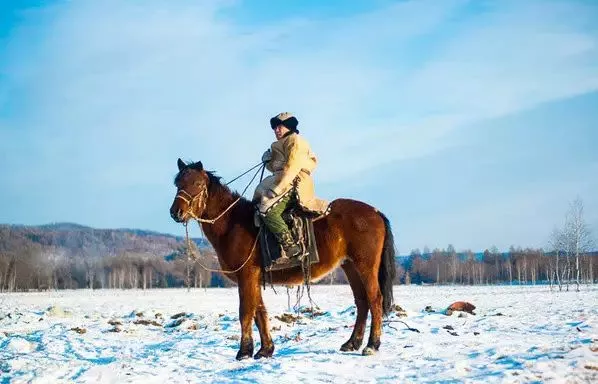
192, 192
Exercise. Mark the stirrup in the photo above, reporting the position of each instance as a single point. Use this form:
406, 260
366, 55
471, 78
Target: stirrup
283, 259
286, 257
297, 248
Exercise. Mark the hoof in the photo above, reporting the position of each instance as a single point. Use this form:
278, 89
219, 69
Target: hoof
264, 353
245, 350
350, 346
243, 355
368, 351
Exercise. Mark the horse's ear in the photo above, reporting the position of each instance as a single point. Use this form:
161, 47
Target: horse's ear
181, 164
199, 165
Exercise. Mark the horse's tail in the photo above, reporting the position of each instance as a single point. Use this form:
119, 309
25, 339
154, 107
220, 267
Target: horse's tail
388, 271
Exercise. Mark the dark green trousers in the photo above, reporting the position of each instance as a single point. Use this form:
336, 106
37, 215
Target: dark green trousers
274, 220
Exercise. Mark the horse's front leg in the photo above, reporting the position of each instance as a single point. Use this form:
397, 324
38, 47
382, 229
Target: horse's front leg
261, 320
248, 302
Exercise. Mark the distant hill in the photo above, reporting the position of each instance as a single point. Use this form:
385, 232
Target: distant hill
70, 256
88, 242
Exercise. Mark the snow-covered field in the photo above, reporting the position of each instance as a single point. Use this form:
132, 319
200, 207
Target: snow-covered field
518, 335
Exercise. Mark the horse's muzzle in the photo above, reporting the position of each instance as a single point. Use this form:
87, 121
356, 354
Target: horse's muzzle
177, 215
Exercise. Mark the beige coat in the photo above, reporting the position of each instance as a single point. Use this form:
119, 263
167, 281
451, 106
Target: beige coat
291, 158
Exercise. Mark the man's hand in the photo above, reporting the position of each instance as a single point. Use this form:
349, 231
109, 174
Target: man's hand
267, 156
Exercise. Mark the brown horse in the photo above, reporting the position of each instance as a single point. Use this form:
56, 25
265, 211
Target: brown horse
354, 235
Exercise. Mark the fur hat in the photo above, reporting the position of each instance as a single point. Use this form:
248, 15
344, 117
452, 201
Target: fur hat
286, 119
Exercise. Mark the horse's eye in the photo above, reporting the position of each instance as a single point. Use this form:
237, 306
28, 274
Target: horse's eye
197, 183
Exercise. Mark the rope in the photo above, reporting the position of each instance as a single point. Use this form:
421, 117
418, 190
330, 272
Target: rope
191, 255
246, 172
306, 286
386, 322
212, 221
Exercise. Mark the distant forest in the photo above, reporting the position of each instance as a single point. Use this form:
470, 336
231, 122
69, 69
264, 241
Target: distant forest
70, 256
517, 266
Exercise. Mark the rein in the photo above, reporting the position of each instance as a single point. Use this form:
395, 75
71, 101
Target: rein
247, 171
191, 255
199, 220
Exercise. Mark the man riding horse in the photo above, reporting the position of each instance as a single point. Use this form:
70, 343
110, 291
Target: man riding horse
353, 235
292, 163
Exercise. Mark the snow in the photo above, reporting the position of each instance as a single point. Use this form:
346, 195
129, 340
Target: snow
519, 334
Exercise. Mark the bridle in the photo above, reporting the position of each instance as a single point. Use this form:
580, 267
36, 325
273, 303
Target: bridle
201, 197
203, 201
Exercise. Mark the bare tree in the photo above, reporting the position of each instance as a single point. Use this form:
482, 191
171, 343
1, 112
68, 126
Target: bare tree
509, 263
577, 236
453, 261
573, 240
557, 244
10, 274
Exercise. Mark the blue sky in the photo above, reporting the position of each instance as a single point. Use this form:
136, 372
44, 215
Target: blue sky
472, 123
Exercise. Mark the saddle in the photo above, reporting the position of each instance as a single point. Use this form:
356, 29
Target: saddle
300, 223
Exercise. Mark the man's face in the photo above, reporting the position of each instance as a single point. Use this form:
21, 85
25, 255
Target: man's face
280, 131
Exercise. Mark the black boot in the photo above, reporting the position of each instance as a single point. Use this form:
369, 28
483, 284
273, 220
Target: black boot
290, 248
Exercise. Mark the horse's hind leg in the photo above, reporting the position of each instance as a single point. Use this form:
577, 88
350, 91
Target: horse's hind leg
367, 268
261, 321
369, 276
361, 303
